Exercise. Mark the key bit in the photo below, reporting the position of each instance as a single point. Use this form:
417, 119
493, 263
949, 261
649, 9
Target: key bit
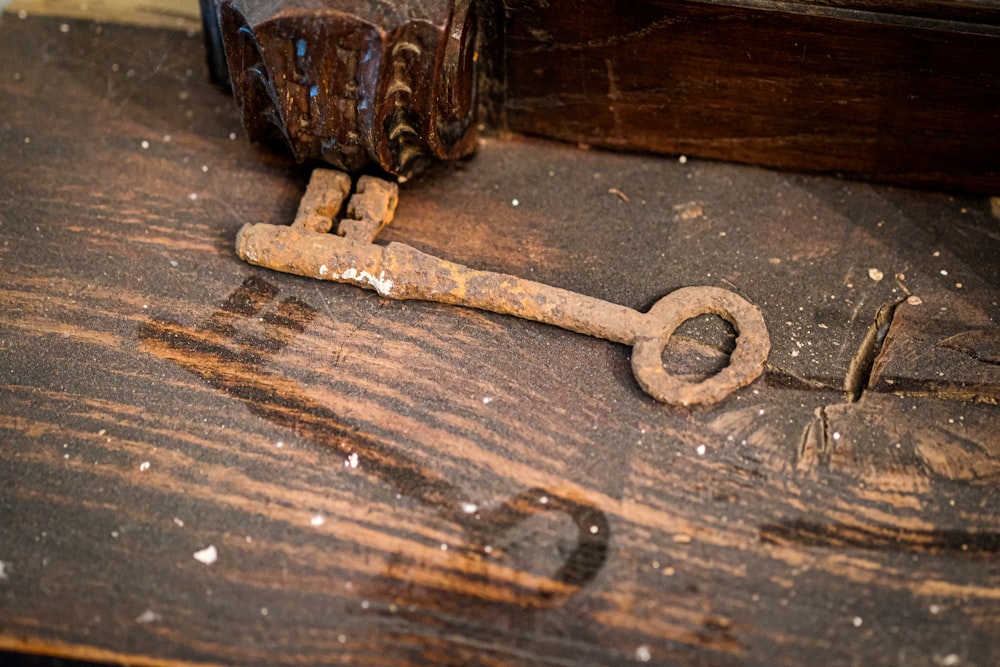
398, 271
324, 196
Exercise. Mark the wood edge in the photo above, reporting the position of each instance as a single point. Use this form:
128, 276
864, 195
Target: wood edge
978, 19
177, 14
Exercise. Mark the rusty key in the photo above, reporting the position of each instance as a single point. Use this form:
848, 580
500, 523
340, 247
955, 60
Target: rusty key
398, 271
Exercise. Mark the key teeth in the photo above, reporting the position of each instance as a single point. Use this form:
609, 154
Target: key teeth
323, 198
370, 209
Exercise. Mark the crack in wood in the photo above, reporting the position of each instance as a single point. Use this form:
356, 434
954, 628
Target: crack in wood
859, 371
814, 446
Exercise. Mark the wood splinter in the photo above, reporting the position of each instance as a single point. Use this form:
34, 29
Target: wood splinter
398, 271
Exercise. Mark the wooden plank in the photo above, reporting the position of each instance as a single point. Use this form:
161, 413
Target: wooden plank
182, 14
885, 90
947, 347
331, 446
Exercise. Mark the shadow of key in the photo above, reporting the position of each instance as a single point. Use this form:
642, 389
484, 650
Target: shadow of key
230, 350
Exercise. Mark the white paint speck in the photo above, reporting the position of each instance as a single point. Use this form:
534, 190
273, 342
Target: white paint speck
470, 508
642, 654
944, 272
64, 27
444, 547
193, 196
700, 450
144, 466
487, 400
232, 136
683, 159
382, 285
323, 270
594, 530
544, 500
279, 444
857, 621
3, 571
22, 14
317, 520
352, 460
948, 660
875, 274
514, 202
180, 523
148, 616
342, 639
208, 555
836, 436
263, 611
167, 138
144, 144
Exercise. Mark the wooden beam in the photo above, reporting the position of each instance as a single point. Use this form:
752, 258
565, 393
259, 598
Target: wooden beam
894, 91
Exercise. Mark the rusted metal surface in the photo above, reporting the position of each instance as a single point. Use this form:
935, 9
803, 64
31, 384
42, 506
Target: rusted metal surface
354, 83
398, 271
321, 203
745, 363
371, 208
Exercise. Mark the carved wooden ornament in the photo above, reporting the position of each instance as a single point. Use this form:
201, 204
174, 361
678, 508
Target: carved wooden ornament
353, 82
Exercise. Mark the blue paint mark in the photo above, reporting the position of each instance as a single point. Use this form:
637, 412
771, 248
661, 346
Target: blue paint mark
300, 48
369, 52
314, 91
363, 104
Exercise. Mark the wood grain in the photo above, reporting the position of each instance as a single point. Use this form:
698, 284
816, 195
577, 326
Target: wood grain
893, 91
406, 483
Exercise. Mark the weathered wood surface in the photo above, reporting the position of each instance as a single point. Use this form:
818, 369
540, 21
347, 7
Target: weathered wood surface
404, 483
905, 92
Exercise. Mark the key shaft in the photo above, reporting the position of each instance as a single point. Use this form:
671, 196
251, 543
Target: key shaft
399, 271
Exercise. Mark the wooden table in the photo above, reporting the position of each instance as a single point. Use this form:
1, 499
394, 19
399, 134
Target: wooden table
390, 483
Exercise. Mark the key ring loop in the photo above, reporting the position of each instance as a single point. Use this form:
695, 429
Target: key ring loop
746, 362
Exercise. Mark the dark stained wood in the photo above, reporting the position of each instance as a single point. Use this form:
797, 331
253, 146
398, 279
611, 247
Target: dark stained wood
971, 12
905, 92
405, 483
